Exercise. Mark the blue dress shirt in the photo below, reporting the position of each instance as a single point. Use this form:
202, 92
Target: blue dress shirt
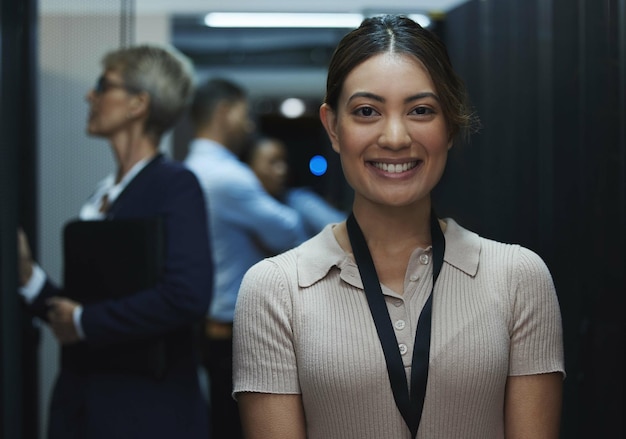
245, 222
315, 211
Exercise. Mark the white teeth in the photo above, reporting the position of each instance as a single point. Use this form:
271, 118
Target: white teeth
395, 169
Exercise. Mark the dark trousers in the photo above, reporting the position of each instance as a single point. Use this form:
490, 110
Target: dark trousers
224, 412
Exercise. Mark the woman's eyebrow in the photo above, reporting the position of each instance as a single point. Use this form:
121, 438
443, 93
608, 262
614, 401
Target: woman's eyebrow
426, 94
415, 97
365, 94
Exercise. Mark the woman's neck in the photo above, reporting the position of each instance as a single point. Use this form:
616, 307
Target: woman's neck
393, 228
392, 235
130, 150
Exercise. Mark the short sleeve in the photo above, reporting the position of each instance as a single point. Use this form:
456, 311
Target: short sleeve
537, 334
264, 358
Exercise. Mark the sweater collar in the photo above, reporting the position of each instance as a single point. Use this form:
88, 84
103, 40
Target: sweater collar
321, 254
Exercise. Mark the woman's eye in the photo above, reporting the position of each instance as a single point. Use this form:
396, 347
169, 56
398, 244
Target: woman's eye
423, 111
365, 111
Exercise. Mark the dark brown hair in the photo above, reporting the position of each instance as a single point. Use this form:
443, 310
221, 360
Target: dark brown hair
209, 95
400, 34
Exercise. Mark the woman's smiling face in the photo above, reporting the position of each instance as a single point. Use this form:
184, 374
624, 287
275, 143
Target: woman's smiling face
389, 130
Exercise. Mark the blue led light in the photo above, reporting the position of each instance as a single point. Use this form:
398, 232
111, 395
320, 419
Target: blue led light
318, 165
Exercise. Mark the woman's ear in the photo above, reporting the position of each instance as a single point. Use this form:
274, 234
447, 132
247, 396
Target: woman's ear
329, 120
139, 104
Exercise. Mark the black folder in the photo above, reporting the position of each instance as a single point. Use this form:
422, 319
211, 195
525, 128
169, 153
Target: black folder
110, 259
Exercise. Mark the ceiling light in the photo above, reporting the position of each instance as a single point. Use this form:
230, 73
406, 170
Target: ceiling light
292, 108
282, 20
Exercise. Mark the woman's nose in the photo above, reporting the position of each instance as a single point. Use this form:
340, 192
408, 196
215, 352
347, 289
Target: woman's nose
281, 169
395, 134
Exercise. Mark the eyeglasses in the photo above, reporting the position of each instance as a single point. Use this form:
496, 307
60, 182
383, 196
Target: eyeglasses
103, 85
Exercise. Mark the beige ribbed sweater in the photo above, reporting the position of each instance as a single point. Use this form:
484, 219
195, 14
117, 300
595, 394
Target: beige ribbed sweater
302, 325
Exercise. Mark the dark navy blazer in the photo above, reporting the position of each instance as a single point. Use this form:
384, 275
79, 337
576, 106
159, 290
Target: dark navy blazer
118, 405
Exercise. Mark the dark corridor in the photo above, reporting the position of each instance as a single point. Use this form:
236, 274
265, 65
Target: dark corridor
547, 170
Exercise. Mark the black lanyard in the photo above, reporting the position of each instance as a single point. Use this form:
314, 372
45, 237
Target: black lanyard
409, 404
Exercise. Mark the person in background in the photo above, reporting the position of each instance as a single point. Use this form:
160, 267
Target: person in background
397, 323
243, 221
267, 157
140, 94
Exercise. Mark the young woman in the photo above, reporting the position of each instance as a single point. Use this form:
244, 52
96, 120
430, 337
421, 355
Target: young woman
397, 324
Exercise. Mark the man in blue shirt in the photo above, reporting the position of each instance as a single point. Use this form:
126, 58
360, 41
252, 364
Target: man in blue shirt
245, 222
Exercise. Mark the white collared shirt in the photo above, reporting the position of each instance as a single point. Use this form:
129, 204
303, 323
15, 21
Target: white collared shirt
89, 212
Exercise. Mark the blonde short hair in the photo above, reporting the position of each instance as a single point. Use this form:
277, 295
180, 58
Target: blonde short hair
162, 72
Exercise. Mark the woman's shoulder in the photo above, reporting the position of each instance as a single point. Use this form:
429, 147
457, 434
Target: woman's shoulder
166, 165
167, 173
484, 251
307, 262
